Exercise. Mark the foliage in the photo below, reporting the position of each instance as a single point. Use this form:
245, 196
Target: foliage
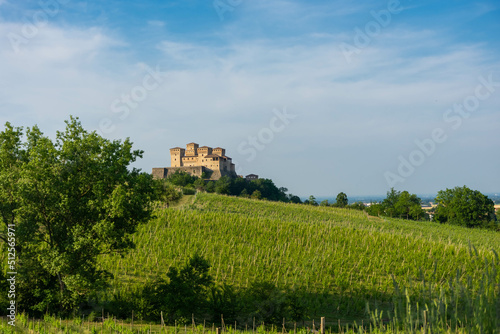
188, 191
342, 200
294, 199
224, 299
70, 200
186, 291
265, 302
192, 290
210, 187
199, 184
166, 193
244, 193
398, 204
311, 201
408, 206
256, 195
357, 206
223, 185
181, 178
266, 189
465, 207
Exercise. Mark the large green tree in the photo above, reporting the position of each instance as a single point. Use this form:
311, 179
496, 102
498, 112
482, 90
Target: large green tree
408, 206
185, 292
342, 200
389, 203
465, 207
398, 204
70, 200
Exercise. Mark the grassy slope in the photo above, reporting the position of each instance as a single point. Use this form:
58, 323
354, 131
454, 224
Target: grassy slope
340, 257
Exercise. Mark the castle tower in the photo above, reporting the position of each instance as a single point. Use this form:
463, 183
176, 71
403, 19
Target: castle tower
219, 151
192, 149
176, 155
204, 151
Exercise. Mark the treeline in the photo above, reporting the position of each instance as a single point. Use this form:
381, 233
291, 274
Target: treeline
458, 206
398, 204
258, 189
341, 202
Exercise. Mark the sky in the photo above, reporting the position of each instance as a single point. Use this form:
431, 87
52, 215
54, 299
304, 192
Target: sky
320, 96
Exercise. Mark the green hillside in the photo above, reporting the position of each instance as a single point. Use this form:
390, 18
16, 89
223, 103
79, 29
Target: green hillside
338, 259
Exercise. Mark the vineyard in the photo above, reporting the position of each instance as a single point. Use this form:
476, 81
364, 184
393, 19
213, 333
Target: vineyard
340, 259
346, 266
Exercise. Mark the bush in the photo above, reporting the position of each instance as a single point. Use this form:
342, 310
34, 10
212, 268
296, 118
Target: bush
188, 191
185, 293
357, 206
181, 178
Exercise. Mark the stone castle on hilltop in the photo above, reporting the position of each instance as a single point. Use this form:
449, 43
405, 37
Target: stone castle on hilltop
212, 163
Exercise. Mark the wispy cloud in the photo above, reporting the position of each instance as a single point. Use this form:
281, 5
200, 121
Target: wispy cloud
156, 23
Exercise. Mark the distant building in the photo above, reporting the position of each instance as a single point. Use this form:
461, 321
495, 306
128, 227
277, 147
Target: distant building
197, 161
252, 177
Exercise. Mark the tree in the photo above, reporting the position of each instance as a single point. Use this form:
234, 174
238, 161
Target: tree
389, 203
375, 209
256, 195
181, 178
186, 291
265, 302
357, 206
416, 211
223, 185
342, 200
408, 206
210, 187
465, 207
268, 190
238, 185
167, 193
324, 203
311, 201
70, 201
199, 184
294, 199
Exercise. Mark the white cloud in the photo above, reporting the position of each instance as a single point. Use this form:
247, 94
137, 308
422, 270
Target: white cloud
156, 23
60, 72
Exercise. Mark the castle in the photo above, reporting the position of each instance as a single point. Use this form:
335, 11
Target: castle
197, 161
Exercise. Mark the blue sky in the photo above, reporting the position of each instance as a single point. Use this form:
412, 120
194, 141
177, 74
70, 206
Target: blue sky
320, 96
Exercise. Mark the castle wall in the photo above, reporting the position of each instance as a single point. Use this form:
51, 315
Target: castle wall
160, 173
193, 170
